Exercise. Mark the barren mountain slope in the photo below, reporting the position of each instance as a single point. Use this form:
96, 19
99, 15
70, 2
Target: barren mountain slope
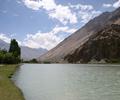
70, 44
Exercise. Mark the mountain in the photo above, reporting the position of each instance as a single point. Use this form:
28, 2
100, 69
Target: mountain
104, 45
26, 52
77, 39
30, 53
4, 45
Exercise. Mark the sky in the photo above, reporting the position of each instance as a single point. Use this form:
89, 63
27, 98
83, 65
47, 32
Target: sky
45, 23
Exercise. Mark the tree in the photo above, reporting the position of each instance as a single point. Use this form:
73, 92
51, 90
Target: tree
8, 58
1, 57
11, 57
34, 61
14, 48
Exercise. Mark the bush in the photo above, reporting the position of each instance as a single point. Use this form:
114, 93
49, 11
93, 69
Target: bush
46, 62
31, 61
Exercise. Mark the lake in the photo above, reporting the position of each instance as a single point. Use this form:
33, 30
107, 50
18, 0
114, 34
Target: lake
68, 81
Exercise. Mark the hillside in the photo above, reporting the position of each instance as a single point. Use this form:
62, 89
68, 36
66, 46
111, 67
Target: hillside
77, 39
103, 45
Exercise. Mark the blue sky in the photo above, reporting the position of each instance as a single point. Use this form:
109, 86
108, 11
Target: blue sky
45, 23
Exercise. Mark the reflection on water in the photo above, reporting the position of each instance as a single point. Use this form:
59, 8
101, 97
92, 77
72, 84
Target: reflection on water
69, 82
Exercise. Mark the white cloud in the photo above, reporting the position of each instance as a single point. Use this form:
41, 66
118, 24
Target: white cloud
54, 11
88, 15
82, 7
35, 5
43, 40
49, 4
65, 29
46, 40
63, 13
107, 5
85, 12
114, 5
66, 14
38, 4
5, 38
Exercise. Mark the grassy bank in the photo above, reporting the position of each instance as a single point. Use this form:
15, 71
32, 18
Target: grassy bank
8, 91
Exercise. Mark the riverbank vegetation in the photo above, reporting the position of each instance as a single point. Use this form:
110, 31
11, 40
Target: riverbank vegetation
30, 61
12, 56
8, 91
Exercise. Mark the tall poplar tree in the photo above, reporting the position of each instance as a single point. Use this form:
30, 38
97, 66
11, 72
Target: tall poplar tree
14, 48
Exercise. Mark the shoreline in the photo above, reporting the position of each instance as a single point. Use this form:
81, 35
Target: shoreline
9, 91
11, 76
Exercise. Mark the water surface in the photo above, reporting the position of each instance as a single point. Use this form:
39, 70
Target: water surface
69, 82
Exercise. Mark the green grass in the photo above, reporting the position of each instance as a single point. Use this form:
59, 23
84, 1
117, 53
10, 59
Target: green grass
8, 91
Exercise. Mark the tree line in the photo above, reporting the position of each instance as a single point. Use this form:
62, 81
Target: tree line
12, 56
